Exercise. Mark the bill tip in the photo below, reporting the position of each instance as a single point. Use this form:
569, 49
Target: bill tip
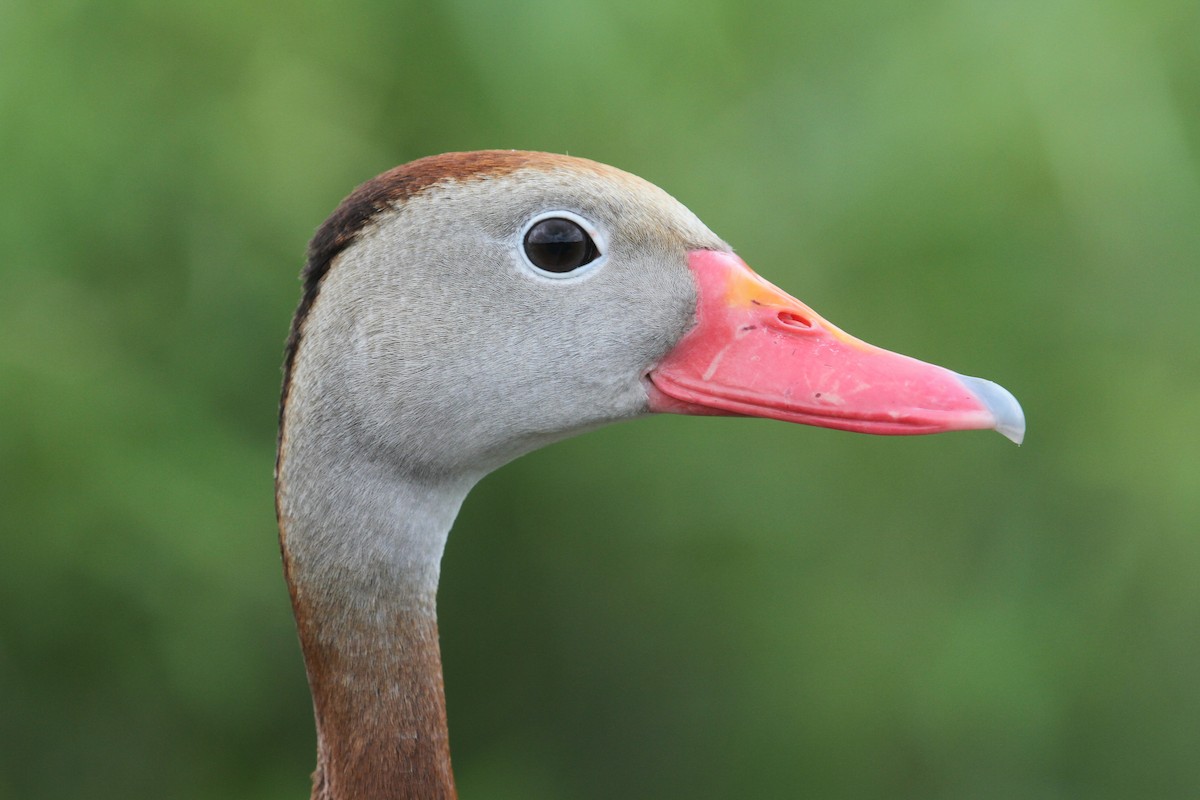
1004, 408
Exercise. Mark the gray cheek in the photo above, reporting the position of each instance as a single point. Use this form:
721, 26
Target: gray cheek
654, 297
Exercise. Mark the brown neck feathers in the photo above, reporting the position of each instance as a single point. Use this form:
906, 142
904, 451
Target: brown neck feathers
380, 705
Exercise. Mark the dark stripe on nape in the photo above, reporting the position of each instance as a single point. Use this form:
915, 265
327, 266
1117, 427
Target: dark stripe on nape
379, 194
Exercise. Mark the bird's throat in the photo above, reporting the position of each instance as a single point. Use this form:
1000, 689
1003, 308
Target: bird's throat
362, 551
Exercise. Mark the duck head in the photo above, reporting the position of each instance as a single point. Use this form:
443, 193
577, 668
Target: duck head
487, 303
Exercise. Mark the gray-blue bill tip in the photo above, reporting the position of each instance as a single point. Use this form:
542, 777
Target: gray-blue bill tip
1010, 419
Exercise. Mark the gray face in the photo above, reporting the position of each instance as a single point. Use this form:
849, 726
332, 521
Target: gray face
434, 343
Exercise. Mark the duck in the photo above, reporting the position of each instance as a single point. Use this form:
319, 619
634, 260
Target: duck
464, 309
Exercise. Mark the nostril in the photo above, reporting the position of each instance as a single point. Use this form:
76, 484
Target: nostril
794, 320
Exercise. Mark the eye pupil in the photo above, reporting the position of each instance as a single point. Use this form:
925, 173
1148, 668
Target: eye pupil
559, 245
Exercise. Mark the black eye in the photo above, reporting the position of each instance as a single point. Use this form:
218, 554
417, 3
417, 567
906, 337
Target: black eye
559, 245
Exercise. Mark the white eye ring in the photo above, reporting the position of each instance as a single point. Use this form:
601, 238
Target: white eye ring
599, 240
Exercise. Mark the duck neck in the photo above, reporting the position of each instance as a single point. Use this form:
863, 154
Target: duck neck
362, 552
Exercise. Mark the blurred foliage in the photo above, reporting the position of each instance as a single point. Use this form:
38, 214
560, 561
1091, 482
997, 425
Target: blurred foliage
672, 608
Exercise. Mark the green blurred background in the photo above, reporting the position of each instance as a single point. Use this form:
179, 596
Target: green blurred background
682, 608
